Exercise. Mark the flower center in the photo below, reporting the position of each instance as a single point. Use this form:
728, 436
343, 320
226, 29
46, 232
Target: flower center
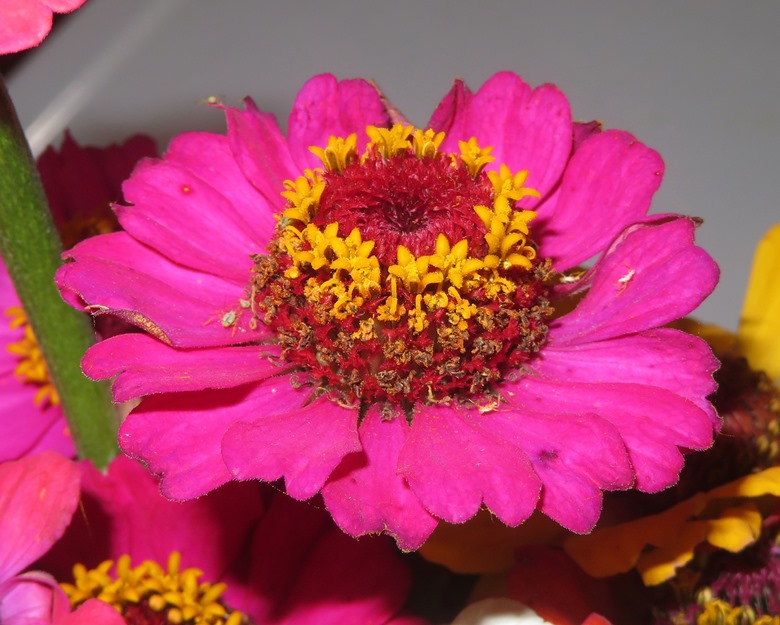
32, 366
404, 274
148, 594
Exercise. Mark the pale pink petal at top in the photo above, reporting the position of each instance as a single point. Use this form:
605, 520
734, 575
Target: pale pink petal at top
608, 184
301, 443
142, 365
644, 358
576, 456
457, 447
304, 570
260, 150
654, 423
365, 494
528, 129
114, 273
326, 107
193, 222
38, 495
26, 23
633, 290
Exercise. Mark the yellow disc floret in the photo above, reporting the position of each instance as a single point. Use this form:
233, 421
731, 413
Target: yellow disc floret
404, 256
172, 591
32, 367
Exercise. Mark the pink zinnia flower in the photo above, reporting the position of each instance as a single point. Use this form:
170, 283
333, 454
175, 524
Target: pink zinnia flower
80, 183
26, 23
282, 561
38, 496
406, 331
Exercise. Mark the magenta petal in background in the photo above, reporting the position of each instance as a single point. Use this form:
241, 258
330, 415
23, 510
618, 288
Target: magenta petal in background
528, 128
328, 107
365, 493
457, 447
305, 570
142, 365
302, 444
447, 111
38, 495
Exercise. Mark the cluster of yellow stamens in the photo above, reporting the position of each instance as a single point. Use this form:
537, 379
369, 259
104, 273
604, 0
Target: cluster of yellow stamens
175, 592
32, 366
403, 273
718, 612
442, 279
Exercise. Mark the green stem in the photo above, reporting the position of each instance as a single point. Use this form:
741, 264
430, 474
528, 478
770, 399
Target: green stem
31, 248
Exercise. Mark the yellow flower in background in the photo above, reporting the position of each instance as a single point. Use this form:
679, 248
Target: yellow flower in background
758, 335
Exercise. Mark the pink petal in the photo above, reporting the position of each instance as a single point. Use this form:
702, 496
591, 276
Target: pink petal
447, 111
145, 366
32, 428
38, 495
179, 436
608, 184
261, 151
26, 23
365, 493
528, 128
92, 612
211, 532
193, 221
33, 598
666, 358
550, 583
633, 289
454, 463
250, 210
79, 180
574, 455
303, 444
114, 273
328, 107
305, 570
653, 422
584, 131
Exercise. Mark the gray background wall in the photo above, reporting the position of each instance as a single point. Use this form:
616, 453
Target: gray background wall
698, 80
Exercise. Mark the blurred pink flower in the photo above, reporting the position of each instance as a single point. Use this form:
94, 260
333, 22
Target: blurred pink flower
38, 496
26, 23
390, 341
80, 183
283, 561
